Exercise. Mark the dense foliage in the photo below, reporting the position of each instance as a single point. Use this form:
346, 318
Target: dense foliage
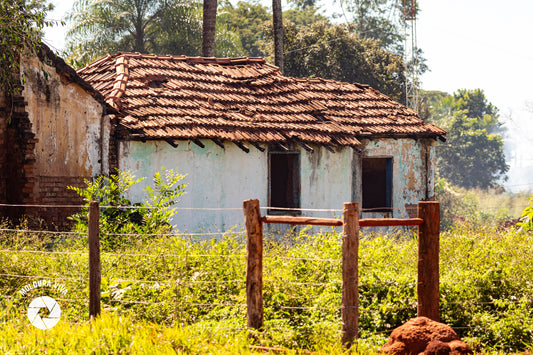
195, 285
527, 217
20, 26
478, 208
473, 154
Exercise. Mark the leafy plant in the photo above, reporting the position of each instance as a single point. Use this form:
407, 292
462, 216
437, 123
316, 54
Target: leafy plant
120, 215
527, 217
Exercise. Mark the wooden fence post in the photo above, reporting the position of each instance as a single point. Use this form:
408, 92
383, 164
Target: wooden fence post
428, 260
254, 269
350, 291
94, 259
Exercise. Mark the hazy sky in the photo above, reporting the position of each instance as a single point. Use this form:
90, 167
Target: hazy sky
468, 44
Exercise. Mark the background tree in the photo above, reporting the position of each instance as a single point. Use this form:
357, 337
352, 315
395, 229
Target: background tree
248, 20
147, 26
473, 154
336, 52
379, 20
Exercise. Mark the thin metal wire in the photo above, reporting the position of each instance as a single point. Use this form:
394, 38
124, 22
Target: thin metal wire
300, 258
40, 231
44, 277
43, 252
42, 206
178, 255
181, 303
180, 281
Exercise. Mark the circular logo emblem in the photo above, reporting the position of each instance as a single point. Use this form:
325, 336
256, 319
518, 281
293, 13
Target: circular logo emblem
44, 312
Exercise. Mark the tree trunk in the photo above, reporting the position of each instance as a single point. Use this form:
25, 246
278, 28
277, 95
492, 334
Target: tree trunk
278, 33
208, 30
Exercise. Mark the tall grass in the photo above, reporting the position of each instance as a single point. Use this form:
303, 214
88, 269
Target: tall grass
156, 288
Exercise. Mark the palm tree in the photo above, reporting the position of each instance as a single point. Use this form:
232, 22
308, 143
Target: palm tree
100, 27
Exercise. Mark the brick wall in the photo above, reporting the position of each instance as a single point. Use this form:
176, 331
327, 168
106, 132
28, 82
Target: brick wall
21, 184
52, 190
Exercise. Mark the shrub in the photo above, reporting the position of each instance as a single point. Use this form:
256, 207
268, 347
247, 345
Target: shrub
527, 217
119, 215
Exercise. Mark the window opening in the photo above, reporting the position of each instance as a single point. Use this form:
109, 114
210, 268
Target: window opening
377, 184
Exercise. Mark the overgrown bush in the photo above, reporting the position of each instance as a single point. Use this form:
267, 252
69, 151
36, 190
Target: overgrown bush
187, 281
119, 215
476, 208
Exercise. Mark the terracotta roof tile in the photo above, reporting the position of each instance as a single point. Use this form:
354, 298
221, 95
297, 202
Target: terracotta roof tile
244, 99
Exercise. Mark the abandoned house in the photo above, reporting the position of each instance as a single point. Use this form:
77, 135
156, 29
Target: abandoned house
239, 129
52, 134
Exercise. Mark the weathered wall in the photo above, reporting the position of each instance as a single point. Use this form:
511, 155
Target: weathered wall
54, 140
224, 178
413, 172
217, 178
67, 123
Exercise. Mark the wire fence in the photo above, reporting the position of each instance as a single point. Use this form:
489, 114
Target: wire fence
142, 278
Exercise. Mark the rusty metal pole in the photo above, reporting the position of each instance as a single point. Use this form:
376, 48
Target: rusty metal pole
254, 268
428, 260
350, 291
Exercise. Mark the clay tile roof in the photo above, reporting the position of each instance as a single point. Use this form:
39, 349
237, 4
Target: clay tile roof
244, 99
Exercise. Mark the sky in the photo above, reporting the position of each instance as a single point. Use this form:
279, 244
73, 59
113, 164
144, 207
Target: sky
468, 44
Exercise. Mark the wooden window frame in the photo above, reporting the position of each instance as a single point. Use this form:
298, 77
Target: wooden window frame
295, 201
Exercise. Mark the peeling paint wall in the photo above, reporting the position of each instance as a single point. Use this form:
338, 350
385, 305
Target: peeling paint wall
224, 178
217, 178
413, 172
67, 122
55, 141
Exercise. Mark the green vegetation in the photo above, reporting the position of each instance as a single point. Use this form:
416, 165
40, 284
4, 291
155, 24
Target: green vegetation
152, 216
472, 156
194, 290
20, 26
527, 214
476, 208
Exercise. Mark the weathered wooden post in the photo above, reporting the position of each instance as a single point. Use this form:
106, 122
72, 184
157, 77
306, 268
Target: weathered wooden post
254, 268
94, 259
428, 260
350, 291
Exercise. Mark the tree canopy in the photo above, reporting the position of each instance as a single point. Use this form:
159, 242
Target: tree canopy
335, 52
473, 154
146, 26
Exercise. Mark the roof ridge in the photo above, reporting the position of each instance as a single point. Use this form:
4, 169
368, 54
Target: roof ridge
121, 80
191, 59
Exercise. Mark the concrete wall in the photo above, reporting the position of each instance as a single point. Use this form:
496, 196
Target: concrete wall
224, 178
413, 173
217, 178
